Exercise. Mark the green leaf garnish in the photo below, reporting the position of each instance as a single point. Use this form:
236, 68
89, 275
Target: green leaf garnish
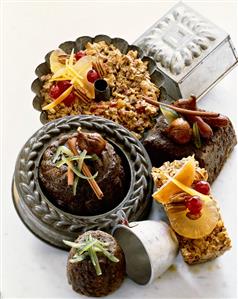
74, 158
77, 259
72, 244
169, 114
75, 184
94, 157
89, 248
67, 157
82, 156
89, 244
110, 256
94, 258
62, 150
196, 135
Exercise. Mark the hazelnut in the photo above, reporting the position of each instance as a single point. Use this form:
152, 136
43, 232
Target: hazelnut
180, 131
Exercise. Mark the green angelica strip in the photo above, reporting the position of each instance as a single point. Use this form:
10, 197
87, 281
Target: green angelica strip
75, 184
89, 248
74, 158
169, 114
196, 136
67, 157
62, 150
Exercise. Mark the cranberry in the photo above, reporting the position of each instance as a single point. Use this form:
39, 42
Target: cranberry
92, 76
63, 85
140, 110
113, 104
55, 91
202, 187
70, 99
79, 55
194, 205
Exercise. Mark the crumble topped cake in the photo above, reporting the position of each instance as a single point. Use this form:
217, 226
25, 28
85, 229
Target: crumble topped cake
192, 210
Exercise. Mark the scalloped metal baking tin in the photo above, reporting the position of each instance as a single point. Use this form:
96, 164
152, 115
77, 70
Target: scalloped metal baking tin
52, 224
79, 44
191, 52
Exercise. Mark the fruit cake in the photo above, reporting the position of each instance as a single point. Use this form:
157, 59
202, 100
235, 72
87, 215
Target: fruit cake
191, 209
176, 135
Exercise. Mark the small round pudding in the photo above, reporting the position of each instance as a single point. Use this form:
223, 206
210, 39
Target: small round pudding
82, 200
106, 276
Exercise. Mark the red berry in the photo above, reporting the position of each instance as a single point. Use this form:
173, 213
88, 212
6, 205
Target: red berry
55, 91
70, 99
202, 187
92, 76
194, 205
63, 85
79, 55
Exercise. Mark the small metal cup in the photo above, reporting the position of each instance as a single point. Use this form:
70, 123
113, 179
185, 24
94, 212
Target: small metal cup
150, 248
102, 90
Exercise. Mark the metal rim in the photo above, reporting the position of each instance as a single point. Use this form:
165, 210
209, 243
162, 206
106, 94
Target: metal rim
129, 230
43, 213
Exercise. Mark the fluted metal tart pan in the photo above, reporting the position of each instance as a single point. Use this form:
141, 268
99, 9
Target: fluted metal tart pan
79, 44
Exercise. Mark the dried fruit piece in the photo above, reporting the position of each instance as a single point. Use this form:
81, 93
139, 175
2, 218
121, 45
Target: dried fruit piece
92, 76
202, 187
204, 129
83, 65
193, 228
55, 91
187, 189
55, 64
194, 205
70, 99
63, 85
184, 175
79, 55
60, 99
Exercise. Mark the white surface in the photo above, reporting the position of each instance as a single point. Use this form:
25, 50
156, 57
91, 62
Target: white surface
32, 269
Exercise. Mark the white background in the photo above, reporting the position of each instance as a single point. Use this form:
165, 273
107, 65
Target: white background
32, 269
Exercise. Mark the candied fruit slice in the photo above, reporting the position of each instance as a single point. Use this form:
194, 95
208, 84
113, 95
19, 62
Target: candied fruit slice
193, 228
83, 65
185, 175
55, 65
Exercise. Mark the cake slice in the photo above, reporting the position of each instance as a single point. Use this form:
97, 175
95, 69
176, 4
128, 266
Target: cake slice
199, 228
212, 155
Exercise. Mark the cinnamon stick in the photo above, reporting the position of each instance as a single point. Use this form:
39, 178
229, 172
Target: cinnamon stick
86, 171
182, 110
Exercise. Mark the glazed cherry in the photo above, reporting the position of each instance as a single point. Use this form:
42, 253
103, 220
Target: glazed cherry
202, 187
79, 55
63, 85
194, 205
92, 76
70, 99
55, 91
